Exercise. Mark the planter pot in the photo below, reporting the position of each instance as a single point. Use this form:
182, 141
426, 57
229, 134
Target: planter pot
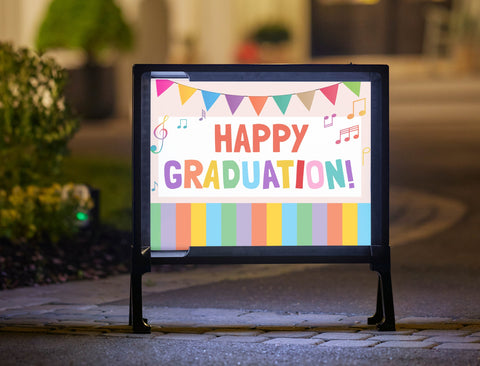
90, 90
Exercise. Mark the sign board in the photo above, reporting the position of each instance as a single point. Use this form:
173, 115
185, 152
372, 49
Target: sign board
249, 163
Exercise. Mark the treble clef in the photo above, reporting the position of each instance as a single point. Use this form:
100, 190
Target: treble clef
161, 135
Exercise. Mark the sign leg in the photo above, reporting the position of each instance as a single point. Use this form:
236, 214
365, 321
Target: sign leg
387, 296
136, 319
384, 316
139, 267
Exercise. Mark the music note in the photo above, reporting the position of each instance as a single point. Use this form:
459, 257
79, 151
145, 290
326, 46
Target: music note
183, 120
155, 186
365, 151
204, 115
325, 124
362, 112
348, 131
163, 135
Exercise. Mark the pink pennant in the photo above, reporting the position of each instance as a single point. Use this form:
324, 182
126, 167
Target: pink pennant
162, 85
331, 93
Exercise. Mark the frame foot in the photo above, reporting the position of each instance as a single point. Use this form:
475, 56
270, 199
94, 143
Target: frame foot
384, 316
142, 327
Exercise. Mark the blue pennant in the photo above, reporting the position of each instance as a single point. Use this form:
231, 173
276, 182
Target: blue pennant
209, 98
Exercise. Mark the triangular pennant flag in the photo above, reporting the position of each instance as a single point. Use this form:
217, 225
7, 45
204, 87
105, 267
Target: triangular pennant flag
258, 103
306, 98
209, 98
354, 86
162, 85
233, 101
331, 93
185, 92
282, 101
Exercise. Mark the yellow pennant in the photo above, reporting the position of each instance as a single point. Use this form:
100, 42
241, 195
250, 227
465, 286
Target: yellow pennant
185, 92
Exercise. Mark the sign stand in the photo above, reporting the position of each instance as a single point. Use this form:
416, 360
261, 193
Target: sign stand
379, 259
333, 210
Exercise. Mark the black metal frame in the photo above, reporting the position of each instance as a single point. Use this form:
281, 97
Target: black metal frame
377, 254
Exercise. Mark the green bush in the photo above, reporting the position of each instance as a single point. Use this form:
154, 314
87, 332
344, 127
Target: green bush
35, 123
35, 127
41, 215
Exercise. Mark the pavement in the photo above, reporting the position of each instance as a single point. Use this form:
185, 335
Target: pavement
86, 322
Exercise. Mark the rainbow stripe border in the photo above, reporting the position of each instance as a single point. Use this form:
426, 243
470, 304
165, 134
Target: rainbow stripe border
177, 226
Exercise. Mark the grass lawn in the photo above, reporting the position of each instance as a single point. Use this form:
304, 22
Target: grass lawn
113, 178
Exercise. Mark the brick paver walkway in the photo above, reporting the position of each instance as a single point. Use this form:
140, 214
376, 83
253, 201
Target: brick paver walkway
220, 325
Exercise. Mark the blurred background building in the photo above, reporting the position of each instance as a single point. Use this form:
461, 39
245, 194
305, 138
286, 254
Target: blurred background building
300, 31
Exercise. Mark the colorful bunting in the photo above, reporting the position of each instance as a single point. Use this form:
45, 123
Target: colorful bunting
233, 101
162, 85
354, 86
306, 98
209, 98
282, 101
185, 92
258, 103
331, 93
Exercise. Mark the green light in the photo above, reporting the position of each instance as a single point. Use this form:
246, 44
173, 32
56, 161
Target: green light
82, 216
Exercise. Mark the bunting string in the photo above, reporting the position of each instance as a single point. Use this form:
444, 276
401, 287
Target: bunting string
258, 102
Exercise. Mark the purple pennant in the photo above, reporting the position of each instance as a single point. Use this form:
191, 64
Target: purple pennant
233, 101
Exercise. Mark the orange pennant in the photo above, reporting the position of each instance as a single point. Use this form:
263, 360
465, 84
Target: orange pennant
258, 103
185, 92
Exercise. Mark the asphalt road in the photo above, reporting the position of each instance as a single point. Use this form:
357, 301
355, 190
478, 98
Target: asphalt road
135, 351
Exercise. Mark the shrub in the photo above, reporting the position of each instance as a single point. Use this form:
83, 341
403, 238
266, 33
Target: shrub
35, 123
41, 215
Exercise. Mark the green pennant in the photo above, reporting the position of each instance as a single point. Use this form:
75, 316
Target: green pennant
354, 86
282, 101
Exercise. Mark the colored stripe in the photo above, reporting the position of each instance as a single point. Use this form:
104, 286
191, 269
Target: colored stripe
168, 231
319, 224
334, 223
350, 223
364, 224
214, 230
183, 230
259, 224
155, 226
274, 224
289, 224
244, 224
179, 226
304, 224
199, 224
229, 224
